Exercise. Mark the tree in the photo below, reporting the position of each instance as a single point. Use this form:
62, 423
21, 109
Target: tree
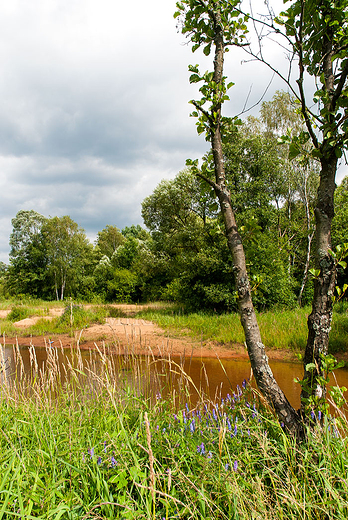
281, 116
217, 24
317, 35
27, 270
108, 240
68, 252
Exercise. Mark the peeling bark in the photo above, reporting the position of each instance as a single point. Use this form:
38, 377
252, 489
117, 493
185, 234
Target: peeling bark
319, 321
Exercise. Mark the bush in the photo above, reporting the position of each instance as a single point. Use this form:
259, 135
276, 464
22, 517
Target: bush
18, 313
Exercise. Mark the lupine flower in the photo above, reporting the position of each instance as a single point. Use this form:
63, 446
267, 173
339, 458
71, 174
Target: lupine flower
235, 465
235, 431
187, 408
201, 449
192, 426
229, 424
99, 461
176, 417
184, 416
248, 433
227, 467
113, 461
282, 424
319, 415
91, 452
244, 383
214, 414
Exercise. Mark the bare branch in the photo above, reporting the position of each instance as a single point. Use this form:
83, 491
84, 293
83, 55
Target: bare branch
244, 111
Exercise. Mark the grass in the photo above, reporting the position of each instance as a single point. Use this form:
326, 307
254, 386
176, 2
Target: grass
280, 329
83, 442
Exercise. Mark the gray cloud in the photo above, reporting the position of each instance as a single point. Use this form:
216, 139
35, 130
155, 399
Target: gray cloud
94, 107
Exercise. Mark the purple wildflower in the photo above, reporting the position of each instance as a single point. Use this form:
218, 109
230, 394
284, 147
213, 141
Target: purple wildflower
187, 408
99, 461
105, 446
229, 424
201, 449
235, 465
312, 415
192, 426
227, 467
235, 431
319, 415
209, 456
244, 383
91, 452
113, 461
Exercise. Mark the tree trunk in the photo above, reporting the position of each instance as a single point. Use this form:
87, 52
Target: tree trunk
309, 239
319, 321
256, 350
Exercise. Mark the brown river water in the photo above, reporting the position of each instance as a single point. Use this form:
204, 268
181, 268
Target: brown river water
150, 375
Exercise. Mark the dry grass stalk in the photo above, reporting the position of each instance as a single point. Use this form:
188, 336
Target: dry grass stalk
151, 458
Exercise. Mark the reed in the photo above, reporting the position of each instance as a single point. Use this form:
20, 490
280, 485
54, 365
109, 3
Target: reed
84, 435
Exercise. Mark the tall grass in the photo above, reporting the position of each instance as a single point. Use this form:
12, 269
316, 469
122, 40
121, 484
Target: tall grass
86, 439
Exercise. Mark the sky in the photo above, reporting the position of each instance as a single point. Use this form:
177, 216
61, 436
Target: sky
94, 107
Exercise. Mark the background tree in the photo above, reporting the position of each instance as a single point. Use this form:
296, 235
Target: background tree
28, 263
108, 240
68, 254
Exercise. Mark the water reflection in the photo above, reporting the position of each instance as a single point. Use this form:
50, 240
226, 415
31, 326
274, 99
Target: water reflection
147, 375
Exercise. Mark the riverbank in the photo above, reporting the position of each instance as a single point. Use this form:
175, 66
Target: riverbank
162, 331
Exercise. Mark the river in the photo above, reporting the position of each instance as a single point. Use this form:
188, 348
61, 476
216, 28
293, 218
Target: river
151, 376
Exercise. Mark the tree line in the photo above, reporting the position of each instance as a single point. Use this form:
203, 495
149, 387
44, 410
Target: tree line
182, 256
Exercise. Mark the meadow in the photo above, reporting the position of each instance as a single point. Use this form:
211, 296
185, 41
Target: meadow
88, 441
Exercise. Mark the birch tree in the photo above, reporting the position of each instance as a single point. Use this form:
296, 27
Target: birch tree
316, 35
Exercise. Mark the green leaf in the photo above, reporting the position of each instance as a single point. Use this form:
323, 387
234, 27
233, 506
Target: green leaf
207, 49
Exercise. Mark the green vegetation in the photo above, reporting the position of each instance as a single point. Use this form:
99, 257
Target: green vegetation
91, 446
280, 328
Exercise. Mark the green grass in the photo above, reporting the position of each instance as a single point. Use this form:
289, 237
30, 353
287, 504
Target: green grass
280, 329
87, 445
